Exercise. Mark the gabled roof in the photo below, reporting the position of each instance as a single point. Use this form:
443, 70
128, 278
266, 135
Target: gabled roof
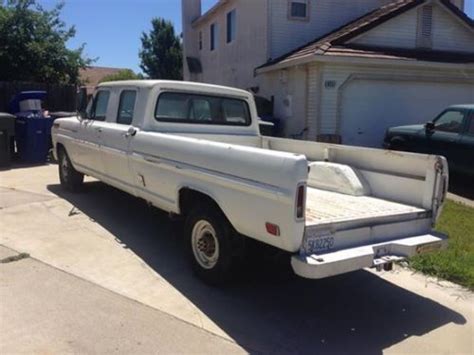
335, 42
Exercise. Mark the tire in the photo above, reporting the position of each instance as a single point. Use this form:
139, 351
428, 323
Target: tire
213, 247
70, 178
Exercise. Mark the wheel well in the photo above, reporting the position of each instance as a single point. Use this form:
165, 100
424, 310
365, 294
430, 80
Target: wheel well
397, 142
189, 197
59, 146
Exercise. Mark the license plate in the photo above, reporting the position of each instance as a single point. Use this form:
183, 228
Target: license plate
317, 244
428, 248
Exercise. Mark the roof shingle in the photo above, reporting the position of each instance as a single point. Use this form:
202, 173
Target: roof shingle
334, 43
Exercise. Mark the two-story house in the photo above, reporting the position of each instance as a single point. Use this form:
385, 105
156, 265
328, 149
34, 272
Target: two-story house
336, 69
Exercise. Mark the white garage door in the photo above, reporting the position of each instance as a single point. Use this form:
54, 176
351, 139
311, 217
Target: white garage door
370, 107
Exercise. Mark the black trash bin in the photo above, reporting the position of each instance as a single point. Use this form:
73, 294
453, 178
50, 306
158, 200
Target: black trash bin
7, 133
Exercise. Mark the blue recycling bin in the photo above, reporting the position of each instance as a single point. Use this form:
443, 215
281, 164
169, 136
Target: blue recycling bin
32, 128
32, 135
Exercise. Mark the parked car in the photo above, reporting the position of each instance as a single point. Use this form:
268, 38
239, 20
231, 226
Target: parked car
195, 151
451, 134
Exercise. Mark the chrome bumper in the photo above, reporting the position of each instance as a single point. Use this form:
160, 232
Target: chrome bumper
334, 263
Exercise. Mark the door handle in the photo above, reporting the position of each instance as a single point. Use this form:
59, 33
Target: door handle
130, 133
99, 129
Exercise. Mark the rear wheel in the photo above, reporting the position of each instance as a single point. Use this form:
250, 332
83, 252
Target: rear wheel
70, 178
212, 244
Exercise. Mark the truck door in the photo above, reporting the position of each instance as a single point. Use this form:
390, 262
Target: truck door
444, 139
116, 138
90, 133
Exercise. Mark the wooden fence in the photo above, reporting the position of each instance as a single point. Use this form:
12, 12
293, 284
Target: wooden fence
59, 98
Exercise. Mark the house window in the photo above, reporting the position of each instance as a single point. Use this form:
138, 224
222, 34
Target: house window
425, 26
231, 26
200, 40
214, 36
298, 9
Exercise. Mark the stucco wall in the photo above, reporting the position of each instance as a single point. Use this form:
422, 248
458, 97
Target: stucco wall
288, 89
233, 63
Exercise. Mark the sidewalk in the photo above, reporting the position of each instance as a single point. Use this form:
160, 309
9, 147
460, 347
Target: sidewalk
462, 200
45, 310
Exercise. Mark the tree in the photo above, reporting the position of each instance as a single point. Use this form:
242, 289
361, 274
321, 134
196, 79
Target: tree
125, 74
33, 44
161, 53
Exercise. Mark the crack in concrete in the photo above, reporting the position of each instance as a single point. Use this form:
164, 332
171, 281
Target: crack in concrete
13, 258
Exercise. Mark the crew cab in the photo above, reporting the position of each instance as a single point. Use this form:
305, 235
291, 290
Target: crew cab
195, 151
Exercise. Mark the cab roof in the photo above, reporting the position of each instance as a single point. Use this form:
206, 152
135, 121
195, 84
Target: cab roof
463, 107
179, 85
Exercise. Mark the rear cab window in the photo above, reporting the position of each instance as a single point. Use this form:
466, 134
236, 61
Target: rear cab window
202, 109
99, 106
126, 107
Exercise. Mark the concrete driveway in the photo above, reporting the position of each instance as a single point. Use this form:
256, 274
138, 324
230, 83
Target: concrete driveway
116, 241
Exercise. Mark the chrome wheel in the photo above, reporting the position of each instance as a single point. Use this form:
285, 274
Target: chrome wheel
205, 244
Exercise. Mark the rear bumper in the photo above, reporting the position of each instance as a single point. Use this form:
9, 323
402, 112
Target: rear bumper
346, 260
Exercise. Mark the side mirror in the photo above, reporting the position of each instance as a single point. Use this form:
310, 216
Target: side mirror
429, 126
81, 103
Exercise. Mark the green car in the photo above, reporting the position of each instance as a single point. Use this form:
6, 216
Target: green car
451, 135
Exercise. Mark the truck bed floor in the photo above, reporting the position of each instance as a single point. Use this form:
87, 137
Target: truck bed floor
326, 207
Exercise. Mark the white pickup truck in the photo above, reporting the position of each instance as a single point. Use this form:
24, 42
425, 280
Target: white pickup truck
195, 151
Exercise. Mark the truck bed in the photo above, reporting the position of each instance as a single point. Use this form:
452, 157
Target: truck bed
326, 208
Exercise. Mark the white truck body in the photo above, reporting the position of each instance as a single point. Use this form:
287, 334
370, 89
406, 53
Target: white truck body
256, 180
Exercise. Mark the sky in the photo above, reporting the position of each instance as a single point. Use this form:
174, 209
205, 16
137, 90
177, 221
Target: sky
111, 29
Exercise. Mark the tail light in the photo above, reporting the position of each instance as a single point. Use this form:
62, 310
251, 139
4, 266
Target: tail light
300, 201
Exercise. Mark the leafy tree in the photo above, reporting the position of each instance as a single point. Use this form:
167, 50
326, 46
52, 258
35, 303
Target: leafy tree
33, 44
125, 74
161, 53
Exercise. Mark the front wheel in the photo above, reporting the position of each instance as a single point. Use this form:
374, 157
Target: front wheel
70, 178
211, 244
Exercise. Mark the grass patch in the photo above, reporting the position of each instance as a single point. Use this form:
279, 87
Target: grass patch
456, 263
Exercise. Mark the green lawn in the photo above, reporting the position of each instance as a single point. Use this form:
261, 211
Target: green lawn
455, 264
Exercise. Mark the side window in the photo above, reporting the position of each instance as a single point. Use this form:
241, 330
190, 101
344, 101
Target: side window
470, 128
126, 107
99, 106
202, 109
450, 121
